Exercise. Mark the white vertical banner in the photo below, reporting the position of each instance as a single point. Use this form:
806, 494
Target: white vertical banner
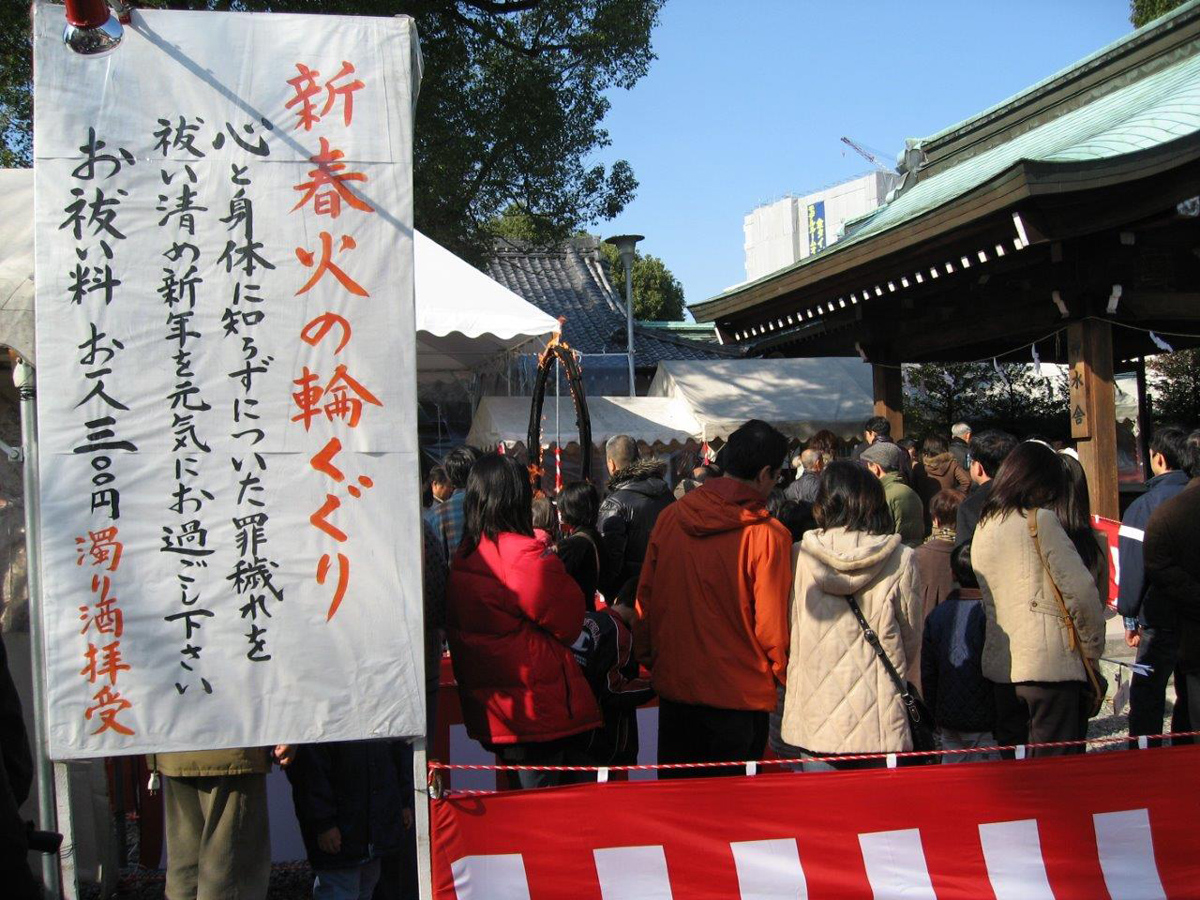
226, 350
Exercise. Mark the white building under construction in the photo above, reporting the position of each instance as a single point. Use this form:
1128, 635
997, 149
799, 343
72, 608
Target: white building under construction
786, 231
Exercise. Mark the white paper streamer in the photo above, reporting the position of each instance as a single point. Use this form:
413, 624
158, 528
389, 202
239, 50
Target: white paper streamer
1161, 344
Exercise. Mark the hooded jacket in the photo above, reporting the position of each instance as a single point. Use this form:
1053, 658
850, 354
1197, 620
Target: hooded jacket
637, 494
512, 613
840, 698
712, 599
936, 473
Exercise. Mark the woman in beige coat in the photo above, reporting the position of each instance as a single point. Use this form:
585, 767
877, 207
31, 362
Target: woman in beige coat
839, 698
1028, 651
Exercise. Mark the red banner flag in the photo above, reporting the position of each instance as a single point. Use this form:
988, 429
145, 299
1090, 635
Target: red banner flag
1117, 824
1111, 529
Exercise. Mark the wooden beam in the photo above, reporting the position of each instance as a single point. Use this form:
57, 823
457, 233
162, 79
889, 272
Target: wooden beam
888, 382
1093, 411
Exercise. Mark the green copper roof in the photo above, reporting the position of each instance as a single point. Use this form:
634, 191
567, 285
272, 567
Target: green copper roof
1159, 107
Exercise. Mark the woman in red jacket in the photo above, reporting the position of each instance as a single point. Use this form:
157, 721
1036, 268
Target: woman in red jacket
512, 613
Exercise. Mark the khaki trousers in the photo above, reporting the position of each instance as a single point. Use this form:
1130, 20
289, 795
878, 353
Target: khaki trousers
218, 846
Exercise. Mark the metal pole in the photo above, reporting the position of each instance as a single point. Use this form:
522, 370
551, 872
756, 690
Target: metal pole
557, 426
25, 381
627, 260
626, 244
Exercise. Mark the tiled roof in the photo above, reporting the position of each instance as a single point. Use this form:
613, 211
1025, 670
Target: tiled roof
569, 281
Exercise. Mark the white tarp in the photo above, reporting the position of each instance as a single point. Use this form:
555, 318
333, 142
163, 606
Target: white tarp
797, 396
651, 420
465, 320
226, 354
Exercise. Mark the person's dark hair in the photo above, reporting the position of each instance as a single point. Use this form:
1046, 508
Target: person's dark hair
797, 517
621, 449
1031, 477
907, 444
943, 506
1171, 442
825, 441
850, 497
543, 515
934, 445
457, 465
1074, 511
990, 449
753, 446
627, 595
437, 475
775, 501
1191, 457
579, 504
961, 568
499, 498
878, 425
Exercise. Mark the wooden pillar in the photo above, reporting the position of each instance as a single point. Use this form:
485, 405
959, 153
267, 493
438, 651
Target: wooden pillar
888, 382
1093, 411
1145, 423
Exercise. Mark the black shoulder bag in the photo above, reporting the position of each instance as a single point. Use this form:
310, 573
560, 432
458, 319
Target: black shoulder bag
920, 719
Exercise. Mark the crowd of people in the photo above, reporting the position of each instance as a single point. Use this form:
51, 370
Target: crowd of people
821, 601
812, 607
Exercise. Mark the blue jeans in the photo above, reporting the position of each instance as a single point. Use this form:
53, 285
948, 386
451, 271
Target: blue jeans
354, 883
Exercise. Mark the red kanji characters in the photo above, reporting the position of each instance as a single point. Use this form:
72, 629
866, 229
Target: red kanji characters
305, 86
345, 91
108, 705
328, 185
343, 394
103, 662
328, 265
107, 617
102, 547
343, 580
314, 332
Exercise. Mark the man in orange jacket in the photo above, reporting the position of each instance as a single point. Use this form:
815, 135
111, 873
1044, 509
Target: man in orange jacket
712, 608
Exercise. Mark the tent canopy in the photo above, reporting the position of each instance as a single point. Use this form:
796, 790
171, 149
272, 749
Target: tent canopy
797, 396
649, 420
16, 260
465, 320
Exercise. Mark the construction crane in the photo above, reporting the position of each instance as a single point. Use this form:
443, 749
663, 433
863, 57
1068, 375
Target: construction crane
867, 155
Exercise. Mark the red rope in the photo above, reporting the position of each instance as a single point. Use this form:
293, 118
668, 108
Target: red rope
483, 767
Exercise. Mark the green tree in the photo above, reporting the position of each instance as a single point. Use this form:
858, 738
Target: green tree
657, 294
16, 88
1014, 398
1144, 11
937, 395
1175, 379
511, 105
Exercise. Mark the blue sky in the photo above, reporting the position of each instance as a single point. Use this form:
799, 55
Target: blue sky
748, 99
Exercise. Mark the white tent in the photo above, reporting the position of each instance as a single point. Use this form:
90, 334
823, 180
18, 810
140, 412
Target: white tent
650, 420
797, 396
16, 260
465, 320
